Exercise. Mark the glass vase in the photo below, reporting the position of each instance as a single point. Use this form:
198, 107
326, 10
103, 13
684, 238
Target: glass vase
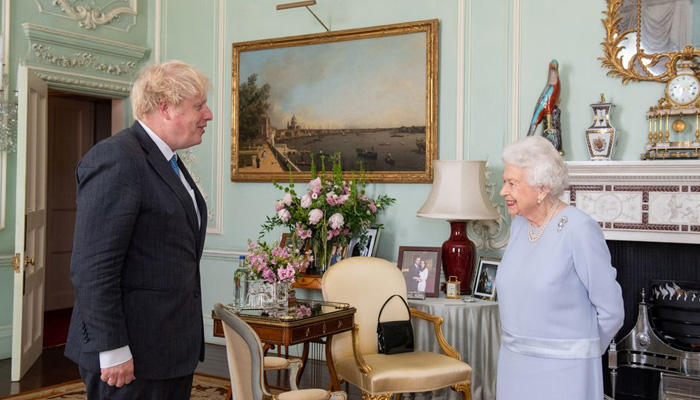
322, 254
271, 298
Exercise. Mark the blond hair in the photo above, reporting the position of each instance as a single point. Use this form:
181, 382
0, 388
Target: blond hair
169, 82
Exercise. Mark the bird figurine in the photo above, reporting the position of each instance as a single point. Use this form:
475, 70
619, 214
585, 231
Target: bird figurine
548, 99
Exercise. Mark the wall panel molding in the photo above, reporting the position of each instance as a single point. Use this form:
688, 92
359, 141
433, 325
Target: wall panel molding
3, 189
5, 261
119, 15
221, 255
221, 152
515, 72
74, 61
461, 122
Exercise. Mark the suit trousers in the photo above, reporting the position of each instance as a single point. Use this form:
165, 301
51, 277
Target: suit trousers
140, 389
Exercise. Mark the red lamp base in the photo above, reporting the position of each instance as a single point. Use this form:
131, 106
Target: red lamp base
458, 254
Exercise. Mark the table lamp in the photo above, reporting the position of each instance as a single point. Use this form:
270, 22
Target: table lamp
459, 195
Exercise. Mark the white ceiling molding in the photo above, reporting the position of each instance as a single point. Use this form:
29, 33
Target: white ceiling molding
119, 15
66, 60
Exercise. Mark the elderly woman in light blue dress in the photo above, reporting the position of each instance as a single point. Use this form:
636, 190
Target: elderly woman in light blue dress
559, 302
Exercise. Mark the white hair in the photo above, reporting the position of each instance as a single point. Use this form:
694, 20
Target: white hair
542, 163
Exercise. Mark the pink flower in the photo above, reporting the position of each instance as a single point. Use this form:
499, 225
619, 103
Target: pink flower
284, 215
287, 199
373, 208
336, 221
305, 201
303, 311
315, 185
303, 233
314, 196
279, 205
330, 198
315, 216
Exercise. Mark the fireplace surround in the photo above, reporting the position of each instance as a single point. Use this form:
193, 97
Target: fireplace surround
650, 214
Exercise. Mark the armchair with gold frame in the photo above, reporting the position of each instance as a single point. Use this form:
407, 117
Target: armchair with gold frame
365, 283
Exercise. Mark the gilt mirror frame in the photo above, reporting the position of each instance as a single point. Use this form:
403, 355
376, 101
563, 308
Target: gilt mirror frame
637, 68
317, 95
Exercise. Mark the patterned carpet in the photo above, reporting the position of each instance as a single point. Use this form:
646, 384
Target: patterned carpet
203, 388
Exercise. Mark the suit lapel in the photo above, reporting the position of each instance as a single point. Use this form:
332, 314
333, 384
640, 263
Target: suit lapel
200, 203
164, 170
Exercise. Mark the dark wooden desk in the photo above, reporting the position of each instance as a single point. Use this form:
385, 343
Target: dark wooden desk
327, 319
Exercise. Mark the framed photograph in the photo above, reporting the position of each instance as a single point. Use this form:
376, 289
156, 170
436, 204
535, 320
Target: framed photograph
338, 253
369, 94
285, 239
485, 281
421, 270
368, 248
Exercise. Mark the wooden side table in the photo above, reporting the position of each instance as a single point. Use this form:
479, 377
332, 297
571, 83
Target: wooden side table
327, 319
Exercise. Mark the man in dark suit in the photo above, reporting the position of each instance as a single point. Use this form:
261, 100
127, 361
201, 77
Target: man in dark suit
136, 330
413, 275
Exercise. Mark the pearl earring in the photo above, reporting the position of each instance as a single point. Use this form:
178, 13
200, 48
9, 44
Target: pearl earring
539, 201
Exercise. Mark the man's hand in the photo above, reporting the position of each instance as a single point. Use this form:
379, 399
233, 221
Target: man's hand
119, 375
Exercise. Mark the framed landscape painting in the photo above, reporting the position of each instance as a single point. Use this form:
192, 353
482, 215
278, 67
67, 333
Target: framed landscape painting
369, 94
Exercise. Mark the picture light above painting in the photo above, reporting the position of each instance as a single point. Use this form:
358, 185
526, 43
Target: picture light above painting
369, 94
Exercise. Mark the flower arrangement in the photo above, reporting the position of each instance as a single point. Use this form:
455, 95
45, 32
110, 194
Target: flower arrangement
329, 213
275, 264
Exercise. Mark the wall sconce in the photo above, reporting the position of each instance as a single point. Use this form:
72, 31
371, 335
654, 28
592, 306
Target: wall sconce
305, 4
459, 195
8, 118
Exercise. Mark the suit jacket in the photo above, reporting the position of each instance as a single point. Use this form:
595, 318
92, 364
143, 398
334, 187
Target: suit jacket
413, 272
135, 263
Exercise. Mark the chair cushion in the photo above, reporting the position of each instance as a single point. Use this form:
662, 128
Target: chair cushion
417, 371
272, 362
305, 394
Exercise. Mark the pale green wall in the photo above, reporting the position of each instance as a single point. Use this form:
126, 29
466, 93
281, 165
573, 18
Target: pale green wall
202, 31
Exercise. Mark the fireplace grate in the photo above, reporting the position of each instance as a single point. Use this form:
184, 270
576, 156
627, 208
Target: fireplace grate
675, 387
674, 351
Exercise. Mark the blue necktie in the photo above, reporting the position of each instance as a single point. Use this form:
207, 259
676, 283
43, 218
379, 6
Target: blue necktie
173, 164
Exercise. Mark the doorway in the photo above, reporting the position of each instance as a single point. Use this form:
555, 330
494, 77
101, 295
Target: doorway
75, 123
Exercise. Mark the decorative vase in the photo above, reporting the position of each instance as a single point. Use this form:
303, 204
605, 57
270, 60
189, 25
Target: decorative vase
271, 297
281, 298
601, 137
257, 293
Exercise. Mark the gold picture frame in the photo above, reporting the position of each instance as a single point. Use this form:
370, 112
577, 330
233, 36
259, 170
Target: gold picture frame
370, 94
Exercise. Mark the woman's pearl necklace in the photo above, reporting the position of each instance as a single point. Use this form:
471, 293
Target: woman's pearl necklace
533, 237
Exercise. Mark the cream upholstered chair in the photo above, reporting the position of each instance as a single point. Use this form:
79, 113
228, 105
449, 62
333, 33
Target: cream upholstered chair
246, 364
365, 283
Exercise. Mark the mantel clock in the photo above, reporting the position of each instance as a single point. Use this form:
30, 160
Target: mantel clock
681, 102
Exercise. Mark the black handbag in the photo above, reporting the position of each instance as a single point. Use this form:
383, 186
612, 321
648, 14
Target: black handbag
394, 337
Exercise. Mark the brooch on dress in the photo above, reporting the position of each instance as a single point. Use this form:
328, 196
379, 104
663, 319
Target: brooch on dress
561, 223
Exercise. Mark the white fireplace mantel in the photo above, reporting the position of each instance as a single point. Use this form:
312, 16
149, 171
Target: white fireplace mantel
647, 201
